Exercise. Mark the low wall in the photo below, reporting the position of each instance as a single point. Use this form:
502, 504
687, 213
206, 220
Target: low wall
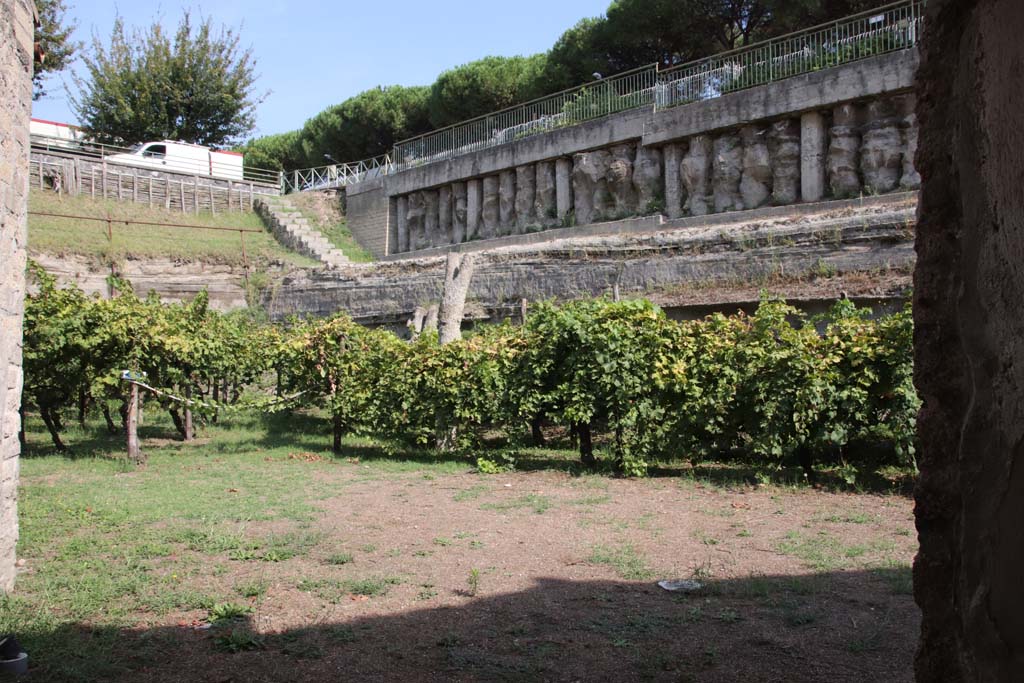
842, 132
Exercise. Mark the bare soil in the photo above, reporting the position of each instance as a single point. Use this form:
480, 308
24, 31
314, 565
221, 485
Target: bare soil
548, 577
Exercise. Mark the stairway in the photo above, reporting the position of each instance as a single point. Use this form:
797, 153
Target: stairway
293, 230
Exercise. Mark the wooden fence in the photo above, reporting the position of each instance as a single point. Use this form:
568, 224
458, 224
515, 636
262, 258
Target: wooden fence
76, 175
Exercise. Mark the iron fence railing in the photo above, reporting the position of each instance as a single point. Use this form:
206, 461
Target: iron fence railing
115, 154
577, 105
337, 175
886, 29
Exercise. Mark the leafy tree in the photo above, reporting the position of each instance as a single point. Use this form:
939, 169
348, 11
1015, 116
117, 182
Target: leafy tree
577, 55
639, 32
54, 37
279, 152
365, 125
484, 86
196, 86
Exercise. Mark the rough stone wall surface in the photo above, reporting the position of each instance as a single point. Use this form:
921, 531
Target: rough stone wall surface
16, 35
775, 246
369, 217
808, 144
969, 343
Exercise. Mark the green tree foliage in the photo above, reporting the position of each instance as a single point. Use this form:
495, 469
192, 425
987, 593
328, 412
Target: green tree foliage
54, 37
634, 387
274, 152
365, 125
484, 86
195, 86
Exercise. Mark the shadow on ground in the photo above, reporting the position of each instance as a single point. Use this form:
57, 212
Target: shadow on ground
844, 626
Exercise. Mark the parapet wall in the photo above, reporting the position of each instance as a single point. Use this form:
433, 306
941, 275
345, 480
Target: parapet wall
842, 132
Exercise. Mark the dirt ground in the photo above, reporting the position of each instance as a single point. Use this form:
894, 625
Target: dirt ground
547, 577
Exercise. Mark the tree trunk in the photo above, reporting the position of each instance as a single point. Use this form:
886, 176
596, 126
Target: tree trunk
216, 398
135, 456
538, 434
21, 423
51, 426
83, 405
586, 444
188, 414
179, 424
458, 273
123, 412
111, 427
338, 428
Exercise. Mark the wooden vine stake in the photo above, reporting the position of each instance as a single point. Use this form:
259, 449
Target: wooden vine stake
134, 454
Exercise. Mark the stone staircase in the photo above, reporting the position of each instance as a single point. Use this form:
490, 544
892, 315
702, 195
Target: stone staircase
293, 230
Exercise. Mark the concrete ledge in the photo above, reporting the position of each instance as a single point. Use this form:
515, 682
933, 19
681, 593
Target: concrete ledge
658, 222
594, 134
884, 74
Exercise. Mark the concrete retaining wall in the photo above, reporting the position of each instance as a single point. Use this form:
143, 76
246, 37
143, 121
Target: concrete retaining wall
368, 211
843, 132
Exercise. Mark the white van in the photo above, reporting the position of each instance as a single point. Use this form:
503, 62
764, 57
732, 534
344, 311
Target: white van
183, 157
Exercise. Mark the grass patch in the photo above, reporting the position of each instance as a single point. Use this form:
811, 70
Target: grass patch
66, 236
334, 590
532, 501
627, 562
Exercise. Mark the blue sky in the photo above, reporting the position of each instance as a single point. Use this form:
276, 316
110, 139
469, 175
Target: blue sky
313, 54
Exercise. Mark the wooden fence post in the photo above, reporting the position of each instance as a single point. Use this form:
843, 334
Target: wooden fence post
134, 454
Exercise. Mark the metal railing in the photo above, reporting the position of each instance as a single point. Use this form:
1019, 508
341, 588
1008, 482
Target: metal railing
628, 90
886, 29
99, 152
337, 175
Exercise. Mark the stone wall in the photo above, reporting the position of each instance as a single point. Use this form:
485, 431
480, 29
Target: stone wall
969, 343
16, 36
368, 213
860, 247
843, 132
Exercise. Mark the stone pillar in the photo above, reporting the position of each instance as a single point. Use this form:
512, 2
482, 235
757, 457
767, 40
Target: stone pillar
444, 215
590, 186
695, 169
881, 154
969, 343
506, 202
474, 200
673, 188
431, 207
784, 148
459, 212
16, 54
545, 207
415, 220
647, 179
813, 144
843, 162
563, 187
526, 195
620, 181
910, 179
756, 183
401, 213
489, 211
727, 168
